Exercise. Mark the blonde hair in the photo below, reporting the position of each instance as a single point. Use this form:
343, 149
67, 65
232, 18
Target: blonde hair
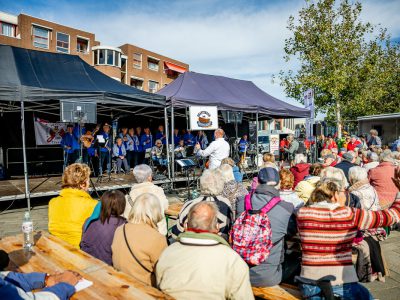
146, 209
286, 179
268, 157
228, 161
325, 152
75, 176
324, 191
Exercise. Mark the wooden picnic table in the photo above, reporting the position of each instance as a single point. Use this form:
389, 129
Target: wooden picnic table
51, 254
174, 209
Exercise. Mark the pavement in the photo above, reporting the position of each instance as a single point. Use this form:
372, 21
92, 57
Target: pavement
11, 220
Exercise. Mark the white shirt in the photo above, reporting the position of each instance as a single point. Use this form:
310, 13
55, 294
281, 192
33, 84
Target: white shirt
217, 151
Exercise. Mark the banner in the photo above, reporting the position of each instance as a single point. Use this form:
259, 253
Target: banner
274, 144
47, 133
203, 117
308, 97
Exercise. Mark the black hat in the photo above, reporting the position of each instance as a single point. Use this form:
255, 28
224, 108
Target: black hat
269, 176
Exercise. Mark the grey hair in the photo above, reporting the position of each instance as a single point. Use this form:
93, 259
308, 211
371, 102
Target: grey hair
373, 132
386, 156
290, 136
372, 156
210, 184
300, 158
203, 221
396, 155
226, 172
219, 131
146, 209
357, 174
142, 173
332, 173
158, 141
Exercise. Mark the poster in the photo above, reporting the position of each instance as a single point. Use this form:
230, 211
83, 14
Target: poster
274, 144
203, 117
47, 133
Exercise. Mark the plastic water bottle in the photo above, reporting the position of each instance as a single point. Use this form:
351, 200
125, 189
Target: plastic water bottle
27, 230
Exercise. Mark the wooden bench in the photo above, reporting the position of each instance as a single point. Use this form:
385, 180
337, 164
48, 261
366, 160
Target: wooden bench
283, 292
50, 255
173, 212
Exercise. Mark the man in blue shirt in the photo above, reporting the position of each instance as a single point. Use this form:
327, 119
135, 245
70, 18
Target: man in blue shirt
146, 140
135, 148
160, 135
105, 149
189, 138
201, 138
70, 144
119, 152
177, 137
128, 143
139, 134
243, 144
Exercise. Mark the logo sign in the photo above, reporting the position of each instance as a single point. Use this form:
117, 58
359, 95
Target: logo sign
48, 133
203, 117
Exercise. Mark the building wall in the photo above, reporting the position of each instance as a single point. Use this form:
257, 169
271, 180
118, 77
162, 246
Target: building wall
389, 129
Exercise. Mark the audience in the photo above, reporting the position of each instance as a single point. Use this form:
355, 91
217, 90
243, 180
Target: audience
301, 168
286, 189
211, 188
373, 161
137, 245
381, 179
326, 223
69, 211
201, 264
269, 161
98, 233
347, 162
236, 170
361, 187
269, 273
144, 184
305, 187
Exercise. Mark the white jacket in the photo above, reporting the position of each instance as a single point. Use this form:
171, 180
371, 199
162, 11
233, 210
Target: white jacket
217, 151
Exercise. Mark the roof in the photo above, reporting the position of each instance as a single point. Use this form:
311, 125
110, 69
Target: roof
227, 93
379, 117
33, 75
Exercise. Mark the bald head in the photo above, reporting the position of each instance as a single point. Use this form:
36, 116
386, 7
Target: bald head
219, 133
203, 216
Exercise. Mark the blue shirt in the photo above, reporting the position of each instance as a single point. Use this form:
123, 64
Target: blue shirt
136, 146
119, 150
70, 140
126, 143
146, 141
177, 138
106, 137
189, 139
202, 140
243, 145
160, 136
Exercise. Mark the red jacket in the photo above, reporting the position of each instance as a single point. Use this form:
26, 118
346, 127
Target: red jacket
330, 146
381, 179
351, 146
300, 171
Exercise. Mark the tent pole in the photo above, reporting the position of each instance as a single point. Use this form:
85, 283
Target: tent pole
172, 143
167, 141
27, 192
257, 140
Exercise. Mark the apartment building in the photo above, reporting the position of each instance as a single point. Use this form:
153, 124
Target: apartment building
129, 64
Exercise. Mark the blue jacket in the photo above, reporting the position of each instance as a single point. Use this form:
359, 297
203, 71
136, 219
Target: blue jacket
177, 138
143, 140
242, 145
237, 174
189, 139
118, 151
70, 140
203, 141
109, 144
136, 146
126, 143
17, 285
160, 136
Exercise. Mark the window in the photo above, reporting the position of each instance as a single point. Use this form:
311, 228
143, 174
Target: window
102, 57
137, 83
152, 64
82, 45
62, 42
153, 86
116, 58
110, 57
40, 37
8, 29
137, 60
96, 57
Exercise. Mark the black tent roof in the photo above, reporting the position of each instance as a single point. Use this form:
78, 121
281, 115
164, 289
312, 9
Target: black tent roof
33, 75
227, 93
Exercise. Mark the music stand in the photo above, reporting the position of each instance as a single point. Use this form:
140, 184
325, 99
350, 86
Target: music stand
187, 164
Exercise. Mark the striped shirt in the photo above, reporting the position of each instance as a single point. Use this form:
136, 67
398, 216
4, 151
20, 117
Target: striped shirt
327, 232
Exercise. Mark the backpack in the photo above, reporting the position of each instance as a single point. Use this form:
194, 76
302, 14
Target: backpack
251, 234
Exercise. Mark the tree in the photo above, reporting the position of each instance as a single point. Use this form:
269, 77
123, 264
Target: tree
348, 65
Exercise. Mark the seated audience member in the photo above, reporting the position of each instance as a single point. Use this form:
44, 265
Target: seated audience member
69, 211
269, 161
300, 169
360, 186
60, 286
137, 245
373, 161
286, 189
269, 272
354, 143
335, 153
119, 152
98, 233
201, 264
144, 184
236, 170
331, 173
307, 186
347, 162
325, 152
232, 189
211, 188
329, 161
381, 179
326, 223
396, 158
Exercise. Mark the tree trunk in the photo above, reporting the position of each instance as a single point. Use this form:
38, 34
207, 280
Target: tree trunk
338, 120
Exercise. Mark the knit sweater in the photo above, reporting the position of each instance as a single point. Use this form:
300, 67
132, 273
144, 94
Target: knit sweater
327, 231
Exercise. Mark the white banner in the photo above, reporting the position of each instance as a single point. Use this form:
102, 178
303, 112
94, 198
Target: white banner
47, 133
203, 117
274, 144
308, 97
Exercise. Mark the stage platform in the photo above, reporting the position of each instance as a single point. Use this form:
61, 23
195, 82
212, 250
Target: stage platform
50, 186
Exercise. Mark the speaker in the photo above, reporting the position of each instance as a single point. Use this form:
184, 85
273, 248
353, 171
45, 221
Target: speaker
78, 112
317, 129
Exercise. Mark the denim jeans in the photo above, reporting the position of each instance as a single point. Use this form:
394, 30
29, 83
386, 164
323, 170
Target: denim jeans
347, 291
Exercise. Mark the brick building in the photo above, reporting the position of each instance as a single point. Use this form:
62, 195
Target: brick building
129, 64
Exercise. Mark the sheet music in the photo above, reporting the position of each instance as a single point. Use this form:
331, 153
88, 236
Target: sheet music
101, 139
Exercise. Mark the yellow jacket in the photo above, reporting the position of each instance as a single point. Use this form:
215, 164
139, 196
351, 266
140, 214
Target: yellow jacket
68, 212
305, 188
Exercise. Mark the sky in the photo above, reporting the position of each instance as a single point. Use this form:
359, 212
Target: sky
242, 39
